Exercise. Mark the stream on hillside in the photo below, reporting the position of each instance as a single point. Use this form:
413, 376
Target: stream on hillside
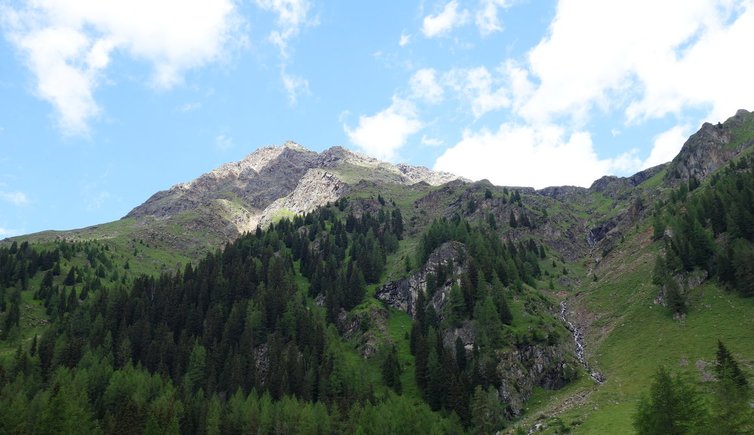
578, 338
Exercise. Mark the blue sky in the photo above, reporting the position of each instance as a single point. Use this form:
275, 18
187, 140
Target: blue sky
104, 102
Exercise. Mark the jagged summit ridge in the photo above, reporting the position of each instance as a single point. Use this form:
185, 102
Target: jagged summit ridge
249, 166
273, 181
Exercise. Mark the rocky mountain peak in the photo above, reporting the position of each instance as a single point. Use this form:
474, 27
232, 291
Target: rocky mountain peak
712, 146
269, 183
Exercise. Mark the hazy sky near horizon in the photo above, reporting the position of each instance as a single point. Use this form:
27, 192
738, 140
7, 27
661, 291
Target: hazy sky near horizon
104, 102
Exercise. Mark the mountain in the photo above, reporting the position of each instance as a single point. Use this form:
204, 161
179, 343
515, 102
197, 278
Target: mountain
268, 184
338, 293
271, 183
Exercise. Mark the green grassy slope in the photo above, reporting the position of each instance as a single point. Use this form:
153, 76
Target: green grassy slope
629, 336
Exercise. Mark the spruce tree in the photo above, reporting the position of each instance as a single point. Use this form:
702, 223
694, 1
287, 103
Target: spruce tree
731, 413
673, 407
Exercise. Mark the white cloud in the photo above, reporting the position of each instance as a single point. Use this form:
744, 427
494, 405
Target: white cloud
384, 133
478, 87
404, 40
667, 145
424, 86
69, 45
516, 155
223, 142
15, 198
295, 86
487, 20
445, 21
291, 16
432, 141
642, 57
637, 59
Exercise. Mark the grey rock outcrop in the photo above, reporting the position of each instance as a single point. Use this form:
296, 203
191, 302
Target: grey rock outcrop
712, 146
368, 328
533, 365
404, 294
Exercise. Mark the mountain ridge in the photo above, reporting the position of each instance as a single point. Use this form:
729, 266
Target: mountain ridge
278, 180
437, 272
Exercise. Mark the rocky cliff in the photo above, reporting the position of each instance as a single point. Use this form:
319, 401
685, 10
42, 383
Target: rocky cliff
713, 146
404, 294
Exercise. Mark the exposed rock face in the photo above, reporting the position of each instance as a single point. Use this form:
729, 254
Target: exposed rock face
599, 232
713, 146
316, 188
404, 294
253, 183
420, 174
526, 366
368, 328
267, 184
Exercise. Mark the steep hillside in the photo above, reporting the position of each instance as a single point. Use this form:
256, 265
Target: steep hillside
630, 323
353, 287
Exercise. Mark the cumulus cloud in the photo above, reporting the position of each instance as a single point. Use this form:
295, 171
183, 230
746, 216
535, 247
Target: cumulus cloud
384, 133
522, 155
685, 53
479, 88
15, 198
445, 21
667, 145
431, 141
69, 45
487, 20
452, 16
593, 61
424, 86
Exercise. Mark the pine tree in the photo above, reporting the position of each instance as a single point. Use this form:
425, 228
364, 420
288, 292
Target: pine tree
391, 370
456, 307
70, 279
727, 367
731, 411
460, 351
486, 411
397, 223
675, 298
673, 407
